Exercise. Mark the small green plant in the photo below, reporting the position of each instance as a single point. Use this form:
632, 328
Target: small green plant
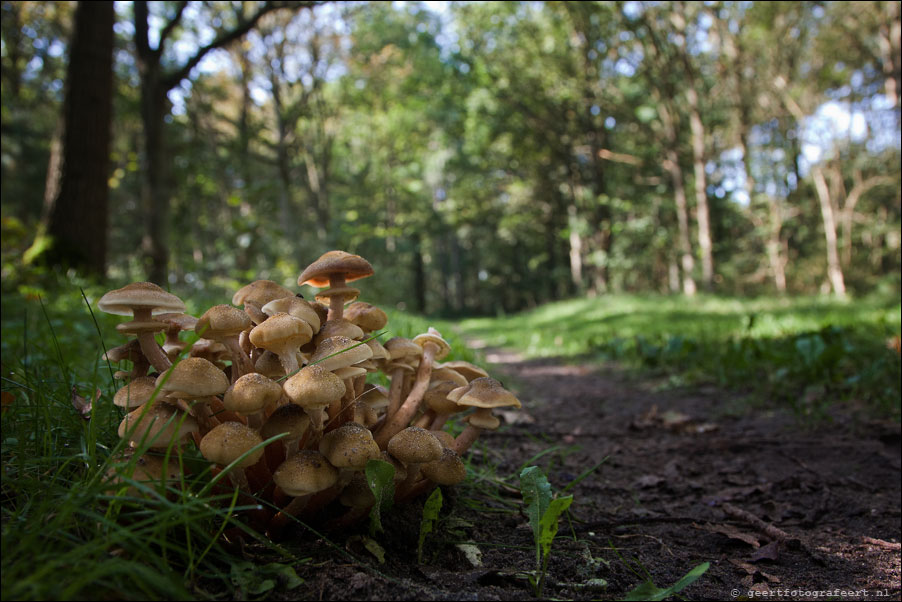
380, 478
430, 515
543, 510
647, 590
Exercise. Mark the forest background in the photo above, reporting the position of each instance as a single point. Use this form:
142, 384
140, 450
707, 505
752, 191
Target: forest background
486, 157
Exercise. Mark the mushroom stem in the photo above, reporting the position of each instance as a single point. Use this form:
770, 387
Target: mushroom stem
241, 363
394, 392
289, 361
466, 439
336, 302
294, 507
408, 409
149, 346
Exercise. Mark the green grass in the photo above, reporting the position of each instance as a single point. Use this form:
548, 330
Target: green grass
807, 352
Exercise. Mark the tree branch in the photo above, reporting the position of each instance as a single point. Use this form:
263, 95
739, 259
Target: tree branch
167, 31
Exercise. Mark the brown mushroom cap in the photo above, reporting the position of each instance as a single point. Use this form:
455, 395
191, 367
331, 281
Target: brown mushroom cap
228, 441
251, 393
136, 393
313, 387
485, 392
447, 470
400, 348
338, 352
142, 295
297, 307
366, 316
305, 472
466, 369
260, 292
349, 446
222, 322
193, 378
415, 445
435, 337
347, 294
338, 328
353, 267
156, 426
289, 418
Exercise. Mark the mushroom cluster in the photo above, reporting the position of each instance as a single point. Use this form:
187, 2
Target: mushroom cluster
275, 392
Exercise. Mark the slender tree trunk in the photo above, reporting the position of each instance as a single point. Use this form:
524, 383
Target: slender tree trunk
77, 222
701, 189
834, 268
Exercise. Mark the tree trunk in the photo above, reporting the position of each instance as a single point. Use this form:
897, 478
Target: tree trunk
77, 221
701, 193
834, 268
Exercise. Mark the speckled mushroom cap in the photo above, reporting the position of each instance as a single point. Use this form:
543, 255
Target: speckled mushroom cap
338, 328
436, 397
442, 373
485, 392
435, 337
251, 393
400, 348
313, 387
349, 446
193, 378
353, 267
260, 292
136, 393
156, 425
295, 306
466, 369
289, 418
449, 469
306, 472
221, 322
366, 316
280, 333
228, 441
142, 295
337, 352
415, 445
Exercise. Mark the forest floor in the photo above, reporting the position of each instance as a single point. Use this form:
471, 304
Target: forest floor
780, 508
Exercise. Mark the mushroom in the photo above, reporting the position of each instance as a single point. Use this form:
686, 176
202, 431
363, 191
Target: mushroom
399, 349
175, 323
223, 323
142, 300
255, 295
249, 396
334, 269
349, 448
449, 469
302, 475
414, 446
156, 425
195, 378
130, 351
434, 348
314, 388
136, 393
282, 334
483, 394
227, 443
290, 419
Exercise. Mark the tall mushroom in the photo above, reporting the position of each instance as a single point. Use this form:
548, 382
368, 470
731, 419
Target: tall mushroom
223, 323
283, 334
314, 388
484, 394
143, 300
334, 269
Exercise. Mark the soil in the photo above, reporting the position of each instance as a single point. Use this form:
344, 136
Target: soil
779, 507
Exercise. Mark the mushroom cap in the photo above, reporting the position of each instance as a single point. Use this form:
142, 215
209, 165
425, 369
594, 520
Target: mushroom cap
485, 392
281, 333
436, 397
400, 348
466, 369
251, 393
313, 387
354, 267
375, 396
449, 469
289, 418
435, 337
260, 292
228, 441
178, 320
222, 322
130, 351
142, 295
337, 352
156, 425
483, 418
268, 364
357, 493
415, 445
193, 378
366, 316
444, 437
379, 351
306, 472
349, 446
295, 306
442, 373
136, 393
338, 328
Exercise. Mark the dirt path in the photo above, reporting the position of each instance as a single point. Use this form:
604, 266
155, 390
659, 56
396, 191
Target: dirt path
779, 510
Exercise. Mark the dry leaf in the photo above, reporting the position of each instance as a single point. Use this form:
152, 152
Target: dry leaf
81, 404
769, 552
731, 532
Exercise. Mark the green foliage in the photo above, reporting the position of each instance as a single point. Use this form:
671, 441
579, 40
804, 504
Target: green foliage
380, 479
431, 508
543, 511
253, 579
806, 352
649, 591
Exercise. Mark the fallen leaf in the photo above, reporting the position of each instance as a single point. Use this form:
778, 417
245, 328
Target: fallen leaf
731, 532
81, 404
769, 552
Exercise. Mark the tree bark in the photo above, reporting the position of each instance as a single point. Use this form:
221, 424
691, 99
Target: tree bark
77, 220
834, 268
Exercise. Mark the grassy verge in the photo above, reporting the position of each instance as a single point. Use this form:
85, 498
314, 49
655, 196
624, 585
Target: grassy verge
808, 352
